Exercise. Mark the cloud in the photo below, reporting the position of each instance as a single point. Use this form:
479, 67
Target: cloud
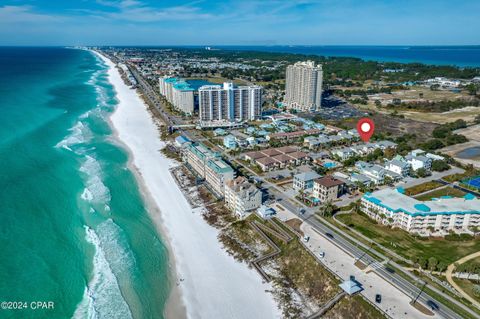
25, 14
136, 11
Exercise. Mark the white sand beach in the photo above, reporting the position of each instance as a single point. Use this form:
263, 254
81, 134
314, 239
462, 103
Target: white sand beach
213, 284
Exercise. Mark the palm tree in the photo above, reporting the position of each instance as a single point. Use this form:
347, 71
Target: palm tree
328, 209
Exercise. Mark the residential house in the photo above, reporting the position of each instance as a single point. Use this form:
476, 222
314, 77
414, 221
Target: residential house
328, 188
418, 162
266, 212
304, 181
242, 197
361, 179
230, 142
343, 153
375, 172
383, 145
399, 167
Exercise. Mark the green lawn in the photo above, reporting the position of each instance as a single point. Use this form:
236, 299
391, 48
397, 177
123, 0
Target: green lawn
414, 190
219, 80
447, 191
470, 287
410, 246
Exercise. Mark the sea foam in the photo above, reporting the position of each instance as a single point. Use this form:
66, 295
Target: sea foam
102, 297
95, 190
79, 134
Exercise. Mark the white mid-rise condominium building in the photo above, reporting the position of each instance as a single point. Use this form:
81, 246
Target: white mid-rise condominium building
177, 92
229, 103
303, 87
392, 207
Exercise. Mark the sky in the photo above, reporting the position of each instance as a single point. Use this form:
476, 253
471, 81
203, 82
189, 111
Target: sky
239, 22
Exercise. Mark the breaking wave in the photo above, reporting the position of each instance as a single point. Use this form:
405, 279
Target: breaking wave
95, 190
102, 297
79, 134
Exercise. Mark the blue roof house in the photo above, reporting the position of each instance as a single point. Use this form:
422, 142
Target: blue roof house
230, 142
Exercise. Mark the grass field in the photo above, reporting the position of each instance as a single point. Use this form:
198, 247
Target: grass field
353, 307
446, 191
470, 172
422, 188
469, 287
410, 246
219, 80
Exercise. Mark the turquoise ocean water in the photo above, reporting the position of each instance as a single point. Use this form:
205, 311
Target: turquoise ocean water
74, 229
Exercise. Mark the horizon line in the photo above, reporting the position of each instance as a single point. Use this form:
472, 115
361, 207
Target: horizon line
240, 45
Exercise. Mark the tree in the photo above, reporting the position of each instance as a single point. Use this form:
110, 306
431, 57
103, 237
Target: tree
440, 131
421, 172
455, 139
378, 104
389, 153
422, 262
328, 209
472, 89
441, 267
435, 87
439, 166
432, 263
433, 144
387, 180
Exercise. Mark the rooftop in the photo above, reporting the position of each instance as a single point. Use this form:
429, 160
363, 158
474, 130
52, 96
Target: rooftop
329, 181
307, 176
397, 202
182, 86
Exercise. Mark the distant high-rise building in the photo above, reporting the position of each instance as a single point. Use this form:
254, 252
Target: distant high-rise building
229, 103
303, 87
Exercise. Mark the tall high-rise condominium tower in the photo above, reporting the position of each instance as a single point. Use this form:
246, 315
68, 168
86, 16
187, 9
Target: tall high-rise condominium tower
303, 87
229, 103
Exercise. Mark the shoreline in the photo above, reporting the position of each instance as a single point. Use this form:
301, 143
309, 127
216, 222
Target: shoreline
174, 306
212, 284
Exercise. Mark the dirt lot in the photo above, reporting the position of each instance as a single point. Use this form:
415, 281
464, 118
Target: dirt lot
398, 126
467, 113
416, 91
412, 95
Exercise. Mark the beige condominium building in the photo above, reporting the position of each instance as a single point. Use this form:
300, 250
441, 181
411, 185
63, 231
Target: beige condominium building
229, 103
303, 87
210, 166
242, 197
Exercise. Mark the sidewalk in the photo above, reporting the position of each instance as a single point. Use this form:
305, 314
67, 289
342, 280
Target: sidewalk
452, 282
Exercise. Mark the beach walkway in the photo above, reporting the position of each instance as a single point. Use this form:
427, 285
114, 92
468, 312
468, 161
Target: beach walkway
452, 282
277, 232
332, 302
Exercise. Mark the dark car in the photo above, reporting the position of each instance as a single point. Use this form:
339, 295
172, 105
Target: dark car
329, 235
378, 298
390, 270
432, 305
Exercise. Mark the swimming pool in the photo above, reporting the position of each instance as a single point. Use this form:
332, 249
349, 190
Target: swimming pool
329, 165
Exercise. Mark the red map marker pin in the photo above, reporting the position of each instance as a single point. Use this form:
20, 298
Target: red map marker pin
365, 128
